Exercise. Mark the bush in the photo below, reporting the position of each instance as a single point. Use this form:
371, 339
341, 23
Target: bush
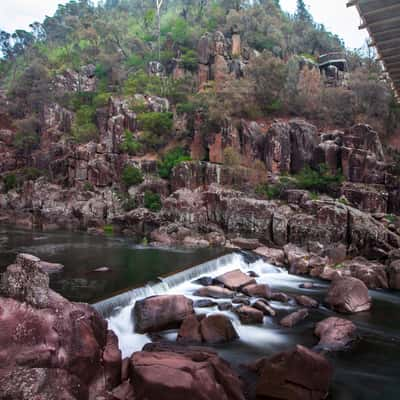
170, 159
10, 182
131, 176
158, 123
129, 204
129, 144
318, 180
27, 137
152, 201
231, 157
84, 129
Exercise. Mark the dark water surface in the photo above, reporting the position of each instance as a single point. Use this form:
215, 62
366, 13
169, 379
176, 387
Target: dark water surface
130, 264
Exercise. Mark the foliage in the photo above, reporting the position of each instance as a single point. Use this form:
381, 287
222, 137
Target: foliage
152, 201
129, 204
131, 176
231, 157
158, 123
108, 229
129, 144
84, 128
88, 187
28, 134
170, 160
319, 180
10, 182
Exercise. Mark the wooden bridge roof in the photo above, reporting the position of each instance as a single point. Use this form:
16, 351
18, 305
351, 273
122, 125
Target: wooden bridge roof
382, 19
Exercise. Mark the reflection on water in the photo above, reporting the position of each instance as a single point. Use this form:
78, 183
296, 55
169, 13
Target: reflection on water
130, 264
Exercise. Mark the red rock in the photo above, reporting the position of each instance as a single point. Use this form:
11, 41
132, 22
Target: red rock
190, 330
124, 391
306, 301
272, 256
348, 295
249, 315
215, 292
246, 244
394, 275
279, 296
294, 318
183, 375
299, 374
158, 313
335, 333
265, 308
258, 290
235, 279
217, 328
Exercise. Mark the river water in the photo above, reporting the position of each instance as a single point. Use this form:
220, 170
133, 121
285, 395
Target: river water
369, 371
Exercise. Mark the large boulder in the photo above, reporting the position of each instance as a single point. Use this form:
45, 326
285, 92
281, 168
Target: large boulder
348, 295
394, 275
298, 374
258, 290
235, 280
216, 292
373, 274
51, 348
335, 333
217, 328
157, 313
273, 256
172, 373
294, 318
249, 315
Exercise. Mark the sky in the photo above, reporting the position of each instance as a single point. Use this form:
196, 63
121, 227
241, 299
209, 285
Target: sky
18, 14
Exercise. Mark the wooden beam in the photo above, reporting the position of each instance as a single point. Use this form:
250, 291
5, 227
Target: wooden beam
392, 49
380, 22
393, 8
381, 42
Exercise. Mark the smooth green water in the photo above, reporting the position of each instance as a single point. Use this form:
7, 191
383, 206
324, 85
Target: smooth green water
130, 264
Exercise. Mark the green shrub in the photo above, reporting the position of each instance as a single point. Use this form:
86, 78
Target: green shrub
84, 128
271, 191
108, 229
101, 99
129, 144
170, 159
10, 182
129, 204
131, 176
186, 108
190, 60
159, 123
88, 187
152, 201
318, 180
231, 157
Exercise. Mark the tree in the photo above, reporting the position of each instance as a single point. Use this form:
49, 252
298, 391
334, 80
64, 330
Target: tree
159, 4
302, 13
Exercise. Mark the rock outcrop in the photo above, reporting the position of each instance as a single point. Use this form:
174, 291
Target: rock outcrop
335, 333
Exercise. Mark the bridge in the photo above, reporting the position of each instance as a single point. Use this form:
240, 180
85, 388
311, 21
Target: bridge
382, 20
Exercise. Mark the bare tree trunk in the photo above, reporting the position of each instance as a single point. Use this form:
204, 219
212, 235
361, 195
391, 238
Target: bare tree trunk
159, 4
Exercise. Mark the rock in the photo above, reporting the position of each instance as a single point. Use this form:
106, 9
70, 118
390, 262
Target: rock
124, 391
272, 256
371, 273
264, 307
204, 303
241, 300
216, 292
51, 348
307, 285
101, 269
204, 281
50, 267
235, 280
294, 375
394, 275
335, 333
224, 306
306, 301
190, 330
279, 296
217, 328
348, 295
258, 290
158, 313
298, 259
249, 315
246, 244
183, 373
294, 318
253, 274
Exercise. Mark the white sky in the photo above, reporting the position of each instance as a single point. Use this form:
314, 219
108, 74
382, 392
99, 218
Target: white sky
18, 14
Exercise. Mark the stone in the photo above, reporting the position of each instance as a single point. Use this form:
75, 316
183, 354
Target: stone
158, 313
348, 295
293, 375
204, 281
264, 307
249, 315
217, 328
183, 373
216, 292
246, 244
272, 256
294, 318
298, 259
279, 296
335, 333
241, 300
189, 330
258, 290
306, 301
373, 274
204, 303
225, 306
235, 280
394, 275
49, 267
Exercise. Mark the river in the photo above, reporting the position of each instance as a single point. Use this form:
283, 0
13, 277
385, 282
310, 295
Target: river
369, 371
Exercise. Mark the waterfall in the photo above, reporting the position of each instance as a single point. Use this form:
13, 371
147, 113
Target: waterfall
222, 264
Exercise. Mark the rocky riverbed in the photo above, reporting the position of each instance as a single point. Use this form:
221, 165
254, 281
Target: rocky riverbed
235, 328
